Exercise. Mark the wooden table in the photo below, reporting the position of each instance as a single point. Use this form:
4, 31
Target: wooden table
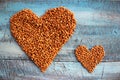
98, 23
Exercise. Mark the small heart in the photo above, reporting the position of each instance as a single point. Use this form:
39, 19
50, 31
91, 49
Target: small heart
42, 37
90, 58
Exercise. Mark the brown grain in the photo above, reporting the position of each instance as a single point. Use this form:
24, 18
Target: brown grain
89, 59
42, 38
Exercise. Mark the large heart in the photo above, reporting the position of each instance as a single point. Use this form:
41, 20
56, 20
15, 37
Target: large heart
42, 37
90, 59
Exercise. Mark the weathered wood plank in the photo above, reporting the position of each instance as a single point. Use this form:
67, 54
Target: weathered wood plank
17, 70
10, 50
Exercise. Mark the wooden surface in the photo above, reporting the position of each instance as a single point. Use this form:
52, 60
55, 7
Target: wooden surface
98, 22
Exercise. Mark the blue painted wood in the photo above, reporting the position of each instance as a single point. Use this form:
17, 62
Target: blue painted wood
26, 70
98, 22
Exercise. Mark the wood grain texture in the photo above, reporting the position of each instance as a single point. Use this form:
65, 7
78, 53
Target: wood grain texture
11, 50
24, 70
98, 22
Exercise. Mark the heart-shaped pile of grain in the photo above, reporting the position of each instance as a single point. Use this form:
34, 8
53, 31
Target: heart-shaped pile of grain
42, 37
90, 59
